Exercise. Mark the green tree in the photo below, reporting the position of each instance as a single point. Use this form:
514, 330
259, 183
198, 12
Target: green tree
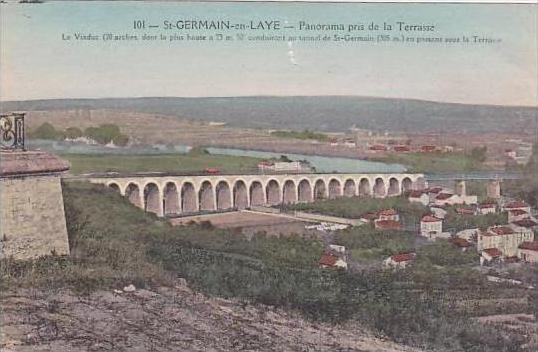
106, 133
73, 132
479, 153
46, 131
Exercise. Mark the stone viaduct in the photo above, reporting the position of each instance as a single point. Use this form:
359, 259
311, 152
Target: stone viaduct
170, 195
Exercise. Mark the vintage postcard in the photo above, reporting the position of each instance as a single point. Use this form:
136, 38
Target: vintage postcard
268, 176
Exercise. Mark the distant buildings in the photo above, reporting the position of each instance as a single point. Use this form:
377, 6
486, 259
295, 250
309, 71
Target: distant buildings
516, 205
284, 166
431, 227
528, 252
487, 207
387, 225
330, 260
400, 260
505, 238
418, 197
334, 257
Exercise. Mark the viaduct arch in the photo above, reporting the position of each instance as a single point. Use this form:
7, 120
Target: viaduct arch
173, 195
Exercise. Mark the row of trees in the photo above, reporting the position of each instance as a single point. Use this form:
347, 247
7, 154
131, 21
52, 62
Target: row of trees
102, 134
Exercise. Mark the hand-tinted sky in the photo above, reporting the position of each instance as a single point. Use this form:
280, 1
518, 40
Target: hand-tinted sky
36, 63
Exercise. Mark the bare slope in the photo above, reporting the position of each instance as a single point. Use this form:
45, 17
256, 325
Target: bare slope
171, 319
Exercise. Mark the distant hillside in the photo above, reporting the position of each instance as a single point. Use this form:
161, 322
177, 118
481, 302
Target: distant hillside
325, 113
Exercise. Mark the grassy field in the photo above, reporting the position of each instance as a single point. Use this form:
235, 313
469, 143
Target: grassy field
85, 163
433, 162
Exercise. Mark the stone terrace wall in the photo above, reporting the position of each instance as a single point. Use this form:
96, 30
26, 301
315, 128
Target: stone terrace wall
32, 218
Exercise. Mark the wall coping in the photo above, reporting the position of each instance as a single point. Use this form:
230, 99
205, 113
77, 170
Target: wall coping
20, 163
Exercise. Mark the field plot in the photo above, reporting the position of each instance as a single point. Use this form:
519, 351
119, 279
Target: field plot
250, 223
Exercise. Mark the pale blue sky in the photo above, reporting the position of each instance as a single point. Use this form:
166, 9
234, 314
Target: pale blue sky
36, 63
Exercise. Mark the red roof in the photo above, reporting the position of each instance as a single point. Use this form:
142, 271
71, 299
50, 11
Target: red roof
488, 205
430, 218
518, 212
387, 225
460, 242
401, 148
212, 170
434, 190
378, 147
493, 252
516, 204
427, 148
415, 194
464, 211
328, 259
532, 246
501, 230
388, 212
403, 257
525, 223
443, 196
369, 215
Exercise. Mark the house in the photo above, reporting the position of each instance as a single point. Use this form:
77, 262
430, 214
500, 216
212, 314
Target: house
337, 249
369, 216
430, 226
461, 243
490, 255
527, 223
380, 215
330, 260
428, 148
451, 199
528, 252
505, 238
487, 207
418, 197
438, 212
388, 214
283, 166
517, 214
400, 260
510, 153
401, 149
442, 199
464, 211
468, 234
387, 225
378, 148
432, 192
515, 205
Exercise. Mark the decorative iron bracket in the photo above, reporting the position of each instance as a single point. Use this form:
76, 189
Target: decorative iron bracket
12, 131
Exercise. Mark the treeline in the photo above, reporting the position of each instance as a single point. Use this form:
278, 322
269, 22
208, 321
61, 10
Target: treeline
114, 244
305, 134
103, 134
355, 207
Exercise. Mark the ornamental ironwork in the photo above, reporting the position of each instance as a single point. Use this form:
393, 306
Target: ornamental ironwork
12, 131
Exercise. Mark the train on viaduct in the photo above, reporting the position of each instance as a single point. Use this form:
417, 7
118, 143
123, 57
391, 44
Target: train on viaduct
167, 195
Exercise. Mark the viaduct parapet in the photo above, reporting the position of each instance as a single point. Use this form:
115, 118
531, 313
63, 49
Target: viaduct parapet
170, 195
